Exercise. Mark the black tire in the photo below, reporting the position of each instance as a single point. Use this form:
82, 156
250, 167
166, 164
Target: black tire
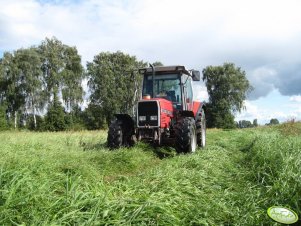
185, 135
119, 135
201, 130
115, 135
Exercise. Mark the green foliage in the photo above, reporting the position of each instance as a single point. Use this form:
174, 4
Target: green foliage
218, 116
62, 71
30, 78
40, 124
244, 124
157, 64
3, 118
55, 119
114, 83
94, 117
75, 119
12, 85
28, 62
273, 121
227, 87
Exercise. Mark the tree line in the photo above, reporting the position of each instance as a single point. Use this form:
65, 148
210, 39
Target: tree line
242, 124
41, 88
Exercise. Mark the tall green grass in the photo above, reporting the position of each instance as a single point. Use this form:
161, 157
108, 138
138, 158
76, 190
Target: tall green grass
274, 163
71, 178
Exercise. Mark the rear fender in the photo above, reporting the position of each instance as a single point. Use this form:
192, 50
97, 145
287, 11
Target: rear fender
199, 112
186, 114
191, 114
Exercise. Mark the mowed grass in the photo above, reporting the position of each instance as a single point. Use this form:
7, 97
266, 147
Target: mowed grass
71, 178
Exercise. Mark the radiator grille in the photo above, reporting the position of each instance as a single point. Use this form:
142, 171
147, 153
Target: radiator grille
148, 109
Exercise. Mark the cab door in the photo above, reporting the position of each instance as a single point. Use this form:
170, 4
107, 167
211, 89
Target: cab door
188, 94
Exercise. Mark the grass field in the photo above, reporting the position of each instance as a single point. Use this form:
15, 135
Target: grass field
71, 178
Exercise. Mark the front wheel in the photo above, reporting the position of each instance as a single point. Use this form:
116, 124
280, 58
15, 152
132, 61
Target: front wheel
185, 135
115, 135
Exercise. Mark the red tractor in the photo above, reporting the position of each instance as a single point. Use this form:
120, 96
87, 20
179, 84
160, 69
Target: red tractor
166, 113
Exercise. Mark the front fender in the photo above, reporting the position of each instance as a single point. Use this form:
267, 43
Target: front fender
127, 121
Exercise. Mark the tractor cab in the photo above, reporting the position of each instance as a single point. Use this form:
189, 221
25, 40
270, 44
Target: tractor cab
165, 86
173, 83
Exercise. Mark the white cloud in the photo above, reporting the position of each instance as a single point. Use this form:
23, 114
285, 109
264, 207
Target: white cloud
263, 37
295, 99
252, 112
264, 114
194, 32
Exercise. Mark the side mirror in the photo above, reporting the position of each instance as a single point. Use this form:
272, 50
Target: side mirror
196, 76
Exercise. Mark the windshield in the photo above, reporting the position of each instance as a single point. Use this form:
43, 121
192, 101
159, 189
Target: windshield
166, 86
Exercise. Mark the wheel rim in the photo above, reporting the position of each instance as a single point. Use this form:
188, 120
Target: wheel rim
203, 137
121, 136
193, 143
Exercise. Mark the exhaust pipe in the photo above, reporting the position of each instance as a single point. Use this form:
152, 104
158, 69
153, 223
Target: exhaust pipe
153, 79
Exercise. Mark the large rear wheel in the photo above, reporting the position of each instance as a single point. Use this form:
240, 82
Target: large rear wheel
185, 135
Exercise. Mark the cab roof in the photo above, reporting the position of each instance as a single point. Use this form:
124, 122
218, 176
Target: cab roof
165, 69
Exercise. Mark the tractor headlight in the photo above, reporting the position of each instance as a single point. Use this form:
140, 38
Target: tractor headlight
142, 118
153, 118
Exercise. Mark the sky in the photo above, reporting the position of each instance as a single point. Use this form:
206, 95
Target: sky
262, 37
